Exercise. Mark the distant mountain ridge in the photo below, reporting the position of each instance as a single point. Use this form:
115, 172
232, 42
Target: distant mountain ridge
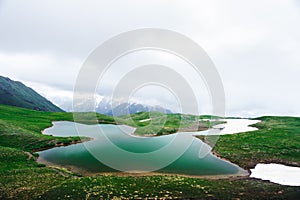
15, 93
128, 108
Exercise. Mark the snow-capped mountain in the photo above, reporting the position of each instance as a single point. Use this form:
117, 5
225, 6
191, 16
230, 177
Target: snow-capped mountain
105, 107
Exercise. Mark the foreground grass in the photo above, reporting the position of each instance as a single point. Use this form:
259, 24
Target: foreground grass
277, 140
22, 178
109, 187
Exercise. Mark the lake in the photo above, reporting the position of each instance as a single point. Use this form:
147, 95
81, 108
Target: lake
115, 149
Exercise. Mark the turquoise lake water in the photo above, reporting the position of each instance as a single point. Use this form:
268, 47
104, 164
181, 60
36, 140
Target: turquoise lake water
114, 149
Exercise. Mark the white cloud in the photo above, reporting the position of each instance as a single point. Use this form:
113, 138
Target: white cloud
40, 68
254, 44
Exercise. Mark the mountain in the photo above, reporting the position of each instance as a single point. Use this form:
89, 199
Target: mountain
130, 108
104, 106
15, 93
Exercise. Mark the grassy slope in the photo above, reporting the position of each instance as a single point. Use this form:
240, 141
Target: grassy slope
21, 128
277, 140
22, 178
17, 94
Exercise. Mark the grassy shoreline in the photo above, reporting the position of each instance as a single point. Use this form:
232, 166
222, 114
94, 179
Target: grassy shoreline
23, 178
276, 141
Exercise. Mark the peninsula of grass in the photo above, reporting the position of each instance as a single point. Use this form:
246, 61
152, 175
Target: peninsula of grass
21, 128
157, 124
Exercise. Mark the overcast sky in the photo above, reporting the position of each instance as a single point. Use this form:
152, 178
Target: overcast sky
254, 44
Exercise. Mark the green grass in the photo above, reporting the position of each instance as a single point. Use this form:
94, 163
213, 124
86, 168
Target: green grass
277, 140
45, 183
15, 93
21, 128
175, 187
161, 124
22, 178
28, 183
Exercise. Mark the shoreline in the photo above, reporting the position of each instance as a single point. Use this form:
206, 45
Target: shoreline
246, 169
242, 172
61, 144
57, 145
84, 173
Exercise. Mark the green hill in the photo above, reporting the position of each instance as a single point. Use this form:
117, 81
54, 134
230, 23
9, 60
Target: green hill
21, 177
15, 93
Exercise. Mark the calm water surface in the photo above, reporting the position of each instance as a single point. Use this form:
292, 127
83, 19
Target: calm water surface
109, 140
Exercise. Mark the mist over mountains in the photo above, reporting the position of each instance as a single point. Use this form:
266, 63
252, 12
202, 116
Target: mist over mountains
15, 93
128, 108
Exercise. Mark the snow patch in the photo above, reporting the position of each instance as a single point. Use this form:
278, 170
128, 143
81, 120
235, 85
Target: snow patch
277, 173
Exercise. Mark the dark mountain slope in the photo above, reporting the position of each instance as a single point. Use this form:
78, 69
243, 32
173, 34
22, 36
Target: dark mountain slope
15, 93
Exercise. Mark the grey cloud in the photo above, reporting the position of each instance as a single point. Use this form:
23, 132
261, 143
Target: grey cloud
255, 46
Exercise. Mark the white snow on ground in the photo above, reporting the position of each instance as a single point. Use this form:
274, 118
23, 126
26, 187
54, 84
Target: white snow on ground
277, 173
236, 126
144, 120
